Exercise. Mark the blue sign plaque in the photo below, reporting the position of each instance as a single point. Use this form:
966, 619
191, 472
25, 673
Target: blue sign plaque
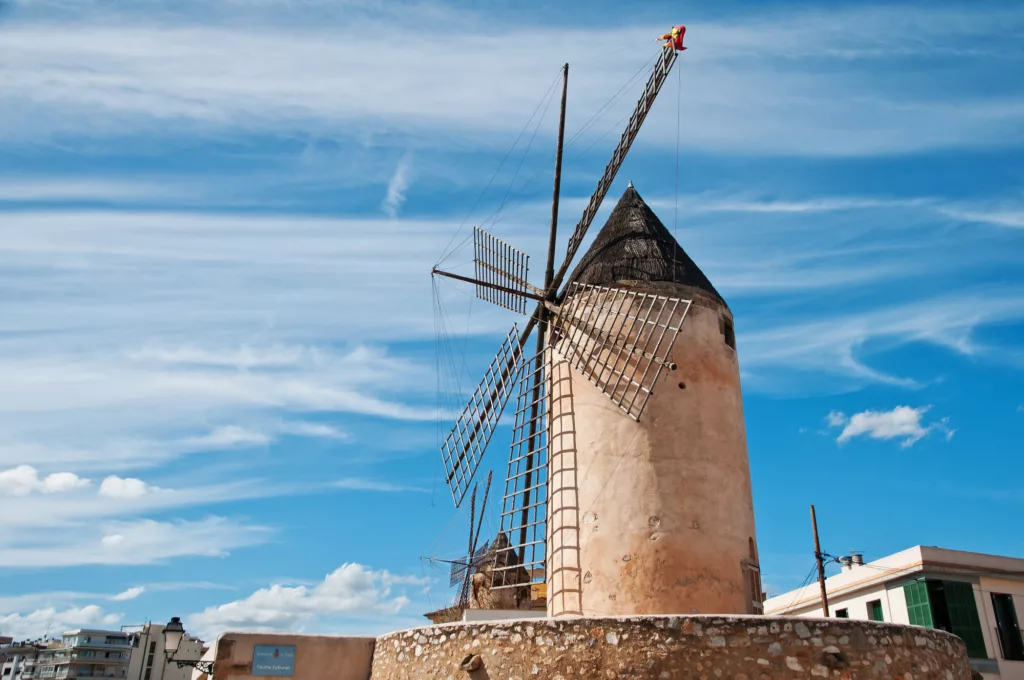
273, 660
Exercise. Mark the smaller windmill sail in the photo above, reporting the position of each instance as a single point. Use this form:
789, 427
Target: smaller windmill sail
619, 339
524, 506
460, 566
465, 444
499, 263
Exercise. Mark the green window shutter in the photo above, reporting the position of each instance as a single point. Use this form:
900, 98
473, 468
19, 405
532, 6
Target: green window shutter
918, 607
875, 610
963, 617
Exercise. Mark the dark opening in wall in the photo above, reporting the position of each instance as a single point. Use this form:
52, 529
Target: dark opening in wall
729, 333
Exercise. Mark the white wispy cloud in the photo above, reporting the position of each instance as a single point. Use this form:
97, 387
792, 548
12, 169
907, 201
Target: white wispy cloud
397, 186
836, 419
776, 83
226, 437
902, 422
307, 429
836, 345
356, 484
1010, 216
351, 589
128, 594
132, 542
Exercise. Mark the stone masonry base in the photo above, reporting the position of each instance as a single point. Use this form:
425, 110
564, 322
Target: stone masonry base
669, 648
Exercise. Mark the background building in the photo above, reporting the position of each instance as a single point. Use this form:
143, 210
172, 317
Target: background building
149, 660
18, 661
136, 654
86, 653
972, 595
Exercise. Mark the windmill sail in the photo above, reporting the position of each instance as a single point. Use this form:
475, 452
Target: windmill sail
465, 444
524, 506
643, 107
460, 566
498, 263
619, 339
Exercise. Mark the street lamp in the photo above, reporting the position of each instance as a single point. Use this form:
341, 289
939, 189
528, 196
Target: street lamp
174, 633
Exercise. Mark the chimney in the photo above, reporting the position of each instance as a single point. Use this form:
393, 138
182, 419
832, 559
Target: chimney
846, 562
857, 558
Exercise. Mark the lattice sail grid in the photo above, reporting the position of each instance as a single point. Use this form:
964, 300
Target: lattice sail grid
619, 339
524, 511
499, 263
460, 566
465, 444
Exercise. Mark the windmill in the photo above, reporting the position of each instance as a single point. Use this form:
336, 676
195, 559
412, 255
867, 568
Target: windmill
618, 339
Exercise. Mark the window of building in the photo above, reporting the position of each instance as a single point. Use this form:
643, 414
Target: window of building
842, 613
7, 671
1007, 627
149, 672
728, 334
149, 661
152, 646
948, 606
875, 610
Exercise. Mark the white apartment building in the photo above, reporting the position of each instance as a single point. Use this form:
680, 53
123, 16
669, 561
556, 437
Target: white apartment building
972, 595
17, 661
86, 653
149, 659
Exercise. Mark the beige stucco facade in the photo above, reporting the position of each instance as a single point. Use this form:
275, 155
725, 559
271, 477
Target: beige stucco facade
655, 516
316, 656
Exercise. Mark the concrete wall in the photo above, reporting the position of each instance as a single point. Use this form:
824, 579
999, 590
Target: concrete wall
316, 657
666, 648
656, 516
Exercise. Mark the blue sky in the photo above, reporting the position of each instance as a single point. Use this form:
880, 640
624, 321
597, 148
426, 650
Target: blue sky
217, 323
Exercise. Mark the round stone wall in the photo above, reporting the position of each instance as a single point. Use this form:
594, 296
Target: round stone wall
734, 647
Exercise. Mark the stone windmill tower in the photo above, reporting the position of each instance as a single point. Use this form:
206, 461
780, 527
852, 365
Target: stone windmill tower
628, 487
655, 515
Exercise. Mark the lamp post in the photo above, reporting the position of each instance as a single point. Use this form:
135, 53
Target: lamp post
174, 633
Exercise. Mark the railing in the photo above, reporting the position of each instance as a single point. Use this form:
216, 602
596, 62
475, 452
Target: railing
1004, 634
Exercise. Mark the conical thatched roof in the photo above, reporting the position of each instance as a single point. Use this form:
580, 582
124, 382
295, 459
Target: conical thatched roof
634, 245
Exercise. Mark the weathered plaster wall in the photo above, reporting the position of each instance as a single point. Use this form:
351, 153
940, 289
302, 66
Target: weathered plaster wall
739, 648
656, 516
316, 657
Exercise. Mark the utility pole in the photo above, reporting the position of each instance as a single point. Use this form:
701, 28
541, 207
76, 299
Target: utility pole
821, 564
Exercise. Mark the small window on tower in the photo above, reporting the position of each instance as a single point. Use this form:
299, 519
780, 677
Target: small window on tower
728, 333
